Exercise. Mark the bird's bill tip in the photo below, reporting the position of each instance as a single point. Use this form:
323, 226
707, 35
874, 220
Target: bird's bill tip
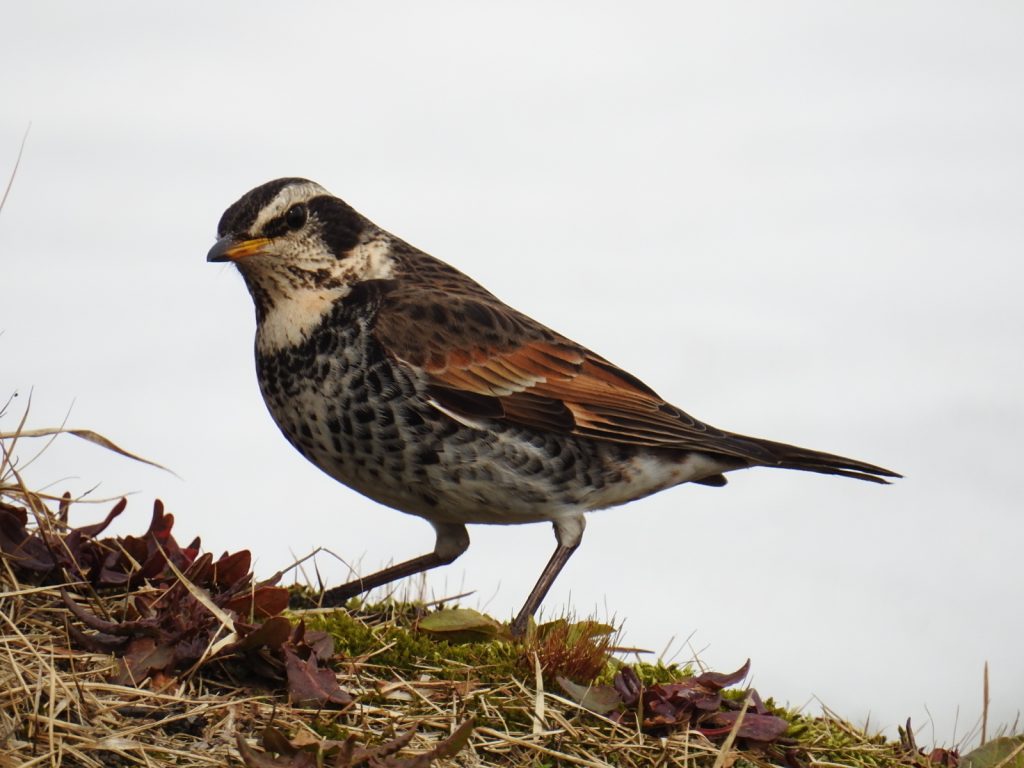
231, 249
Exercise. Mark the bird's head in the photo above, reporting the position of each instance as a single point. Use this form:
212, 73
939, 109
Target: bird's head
299, 248
292, 239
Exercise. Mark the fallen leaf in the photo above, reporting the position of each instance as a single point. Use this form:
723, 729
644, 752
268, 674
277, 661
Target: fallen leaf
693, 702
460, 625
719, 680
276, 741
143, 656
600, 699
310, 685
254, 759
1007, 751
443, 749
260, 603
754, 726
272, 633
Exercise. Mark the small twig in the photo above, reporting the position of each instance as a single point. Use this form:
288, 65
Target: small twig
984, 706
443, 600
14, 171
731, 738
538, 748
538, 702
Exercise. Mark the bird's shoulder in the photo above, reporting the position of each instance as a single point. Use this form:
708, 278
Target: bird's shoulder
432, 315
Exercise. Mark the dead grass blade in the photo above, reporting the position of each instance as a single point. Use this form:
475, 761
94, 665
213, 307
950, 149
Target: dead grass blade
84, 434
14, 171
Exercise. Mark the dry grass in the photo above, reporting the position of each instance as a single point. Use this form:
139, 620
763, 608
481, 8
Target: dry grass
58, 708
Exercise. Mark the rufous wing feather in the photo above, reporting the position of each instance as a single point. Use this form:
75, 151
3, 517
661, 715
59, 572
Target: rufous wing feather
485, 360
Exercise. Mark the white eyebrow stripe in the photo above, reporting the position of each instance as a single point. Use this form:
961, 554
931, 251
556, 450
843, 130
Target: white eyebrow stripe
285, 199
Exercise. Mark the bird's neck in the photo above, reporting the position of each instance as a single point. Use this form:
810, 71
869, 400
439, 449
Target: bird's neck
291, 303
288, 323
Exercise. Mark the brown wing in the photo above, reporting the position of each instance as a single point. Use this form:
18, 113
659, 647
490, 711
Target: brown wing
486, 360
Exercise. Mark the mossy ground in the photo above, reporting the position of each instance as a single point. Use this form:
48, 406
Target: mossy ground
496, 682
58, 706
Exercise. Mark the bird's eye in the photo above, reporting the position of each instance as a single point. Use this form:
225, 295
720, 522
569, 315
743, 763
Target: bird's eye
296, 216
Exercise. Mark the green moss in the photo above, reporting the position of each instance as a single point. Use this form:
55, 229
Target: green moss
390, 641
384, 636
649, 674
833, 741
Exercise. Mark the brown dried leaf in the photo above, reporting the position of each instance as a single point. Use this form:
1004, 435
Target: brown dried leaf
27, 552
453, 744
260, 603
94, 530
231, 569
143, 656
272, 633
754, 726
628, 684
694, 702
254, 759
277, 742
719, 680
321, 644
310, 685
379, 755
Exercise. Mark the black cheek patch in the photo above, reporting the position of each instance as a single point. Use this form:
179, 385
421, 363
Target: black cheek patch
340, 225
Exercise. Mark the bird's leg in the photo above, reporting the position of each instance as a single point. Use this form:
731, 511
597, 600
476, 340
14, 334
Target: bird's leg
568, 533
452, 541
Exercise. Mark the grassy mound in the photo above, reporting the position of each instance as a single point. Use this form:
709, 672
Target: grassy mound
140, 651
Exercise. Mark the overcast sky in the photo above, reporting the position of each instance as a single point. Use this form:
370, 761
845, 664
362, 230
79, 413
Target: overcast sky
803, 221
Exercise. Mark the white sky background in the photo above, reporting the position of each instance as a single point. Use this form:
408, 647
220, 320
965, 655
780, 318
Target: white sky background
801, 221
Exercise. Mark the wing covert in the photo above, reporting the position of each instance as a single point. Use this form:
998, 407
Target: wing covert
486, 360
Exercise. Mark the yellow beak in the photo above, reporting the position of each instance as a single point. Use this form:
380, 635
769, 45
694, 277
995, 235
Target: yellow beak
230, 249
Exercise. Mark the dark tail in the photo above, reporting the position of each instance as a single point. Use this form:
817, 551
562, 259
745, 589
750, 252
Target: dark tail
794, 457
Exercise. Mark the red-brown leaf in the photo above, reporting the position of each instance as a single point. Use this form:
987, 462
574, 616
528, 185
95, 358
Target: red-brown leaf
143, 656
94, 530
254, 759
321, 644
231, 569
310, 685
720, 680
260, 603
272, 633
754, 726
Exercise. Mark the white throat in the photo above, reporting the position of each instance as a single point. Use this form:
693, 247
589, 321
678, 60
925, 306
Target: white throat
296, 312
290, 322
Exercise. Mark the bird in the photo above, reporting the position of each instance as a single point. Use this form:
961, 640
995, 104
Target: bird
409, 382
